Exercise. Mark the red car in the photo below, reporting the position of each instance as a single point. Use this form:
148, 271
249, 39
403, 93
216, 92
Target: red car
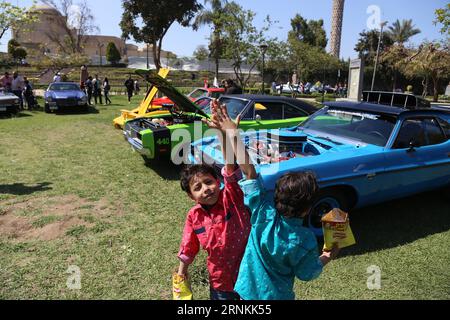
194, 95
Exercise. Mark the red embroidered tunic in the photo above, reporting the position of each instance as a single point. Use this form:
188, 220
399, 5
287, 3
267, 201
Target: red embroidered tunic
222, 231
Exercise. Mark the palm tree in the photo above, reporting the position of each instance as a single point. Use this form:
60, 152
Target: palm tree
213, 16
400, 32
336, 28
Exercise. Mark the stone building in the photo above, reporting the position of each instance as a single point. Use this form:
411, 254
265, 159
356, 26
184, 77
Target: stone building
41, 37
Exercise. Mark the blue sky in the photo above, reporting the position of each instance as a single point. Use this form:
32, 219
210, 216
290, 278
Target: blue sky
183, 41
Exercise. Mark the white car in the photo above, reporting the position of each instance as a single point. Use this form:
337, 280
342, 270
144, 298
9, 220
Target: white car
9, 102
288, 88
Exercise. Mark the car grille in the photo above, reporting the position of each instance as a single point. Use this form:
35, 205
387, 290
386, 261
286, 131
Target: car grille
67, 102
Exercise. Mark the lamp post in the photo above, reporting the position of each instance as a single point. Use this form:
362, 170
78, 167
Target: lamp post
148, 65
100, 46
382, 24
263, 48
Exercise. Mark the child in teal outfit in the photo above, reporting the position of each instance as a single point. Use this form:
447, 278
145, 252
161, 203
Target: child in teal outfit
279, 248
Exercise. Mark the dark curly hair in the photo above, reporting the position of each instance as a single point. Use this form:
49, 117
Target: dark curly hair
295, 194
190, 171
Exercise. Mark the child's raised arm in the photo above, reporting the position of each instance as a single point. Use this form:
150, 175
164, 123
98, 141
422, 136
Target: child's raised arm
222, 121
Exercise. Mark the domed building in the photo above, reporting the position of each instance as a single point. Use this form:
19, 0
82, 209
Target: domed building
43, 36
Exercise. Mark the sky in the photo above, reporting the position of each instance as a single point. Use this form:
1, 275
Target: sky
358, 15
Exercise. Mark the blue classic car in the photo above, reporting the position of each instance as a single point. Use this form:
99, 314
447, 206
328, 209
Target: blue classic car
61, 95
362, 153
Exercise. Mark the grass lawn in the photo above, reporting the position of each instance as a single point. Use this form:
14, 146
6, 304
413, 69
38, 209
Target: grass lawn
73, 193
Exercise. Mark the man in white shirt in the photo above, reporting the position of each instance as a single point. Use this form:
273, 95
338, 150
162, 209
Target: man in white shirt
17, 86
57, 77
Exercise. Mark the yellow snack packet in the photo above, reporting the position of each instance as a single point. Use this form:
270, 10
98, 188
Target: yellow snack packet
336, 229
181, 287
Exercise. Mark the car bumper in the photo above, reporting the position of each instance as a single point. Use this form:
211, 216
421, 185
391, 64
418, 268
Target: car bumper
9, 108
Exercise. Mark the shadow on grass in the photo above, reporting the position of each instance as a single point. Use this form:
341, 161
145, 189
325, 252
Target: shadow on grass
164, 168
20, 189
75, 110
399, 222
14, 115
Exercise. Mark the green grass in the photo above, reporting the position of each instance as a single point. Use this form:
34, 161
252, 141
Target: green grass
131, 216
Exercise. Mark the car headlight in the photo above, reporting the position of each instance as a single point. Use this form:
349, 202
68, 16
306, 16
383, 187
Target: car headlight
16, 101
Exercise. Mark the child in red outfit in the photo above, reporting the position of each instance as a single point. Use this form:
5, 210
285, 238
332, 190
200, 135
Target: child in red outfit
219, 222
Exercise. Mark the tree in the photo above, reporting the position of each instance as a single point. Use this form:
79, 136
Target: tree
312, 62
201, 53
216, 16
241, 40
15, 51
336, 27
396, 59
443, 17
20, 54
368, 43
400, 32
12, 46
14, 17
77, 22
432, 60
112, 54
310, 32
156, 17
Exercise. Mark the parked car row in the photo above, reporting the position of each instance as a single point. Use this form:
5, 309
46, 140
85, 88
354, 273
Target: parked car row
386, 147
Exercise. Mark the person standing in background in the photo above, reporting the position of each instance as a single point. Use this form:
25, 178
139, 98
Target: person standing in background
89, 89
97, 85
129, 85
17, 86
106, 89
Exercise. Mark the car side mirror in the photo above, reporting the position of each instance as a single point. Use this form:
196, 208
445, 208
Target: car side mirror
258, 118
412, 146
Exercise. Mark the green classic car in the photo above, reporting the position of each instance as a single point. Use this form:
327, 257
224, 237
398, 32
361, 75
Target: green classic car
170, 135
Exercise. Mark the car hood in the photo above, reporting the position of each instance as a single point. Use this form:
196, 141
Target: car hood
7, 96
182, 102
315, 149
65, 94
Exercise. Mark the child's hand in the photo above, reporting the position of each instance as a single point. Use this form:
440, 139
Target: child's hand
220, 118
327, 256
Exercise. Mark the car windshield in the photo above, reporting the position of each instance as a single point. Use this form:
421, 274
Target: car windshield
350, 124
63, 86
203, 102
234, 106
197, 93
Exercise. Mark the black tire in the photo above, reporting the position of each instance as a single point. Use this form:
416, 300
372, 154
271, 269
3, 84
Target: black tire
47, 109
325, 202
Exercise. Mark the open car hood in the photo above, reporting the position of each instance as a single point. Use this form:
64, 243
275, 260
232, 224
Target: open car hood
183, 103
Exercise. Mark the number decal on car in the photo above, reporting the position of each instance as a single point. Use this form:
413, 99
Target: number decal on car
163, 141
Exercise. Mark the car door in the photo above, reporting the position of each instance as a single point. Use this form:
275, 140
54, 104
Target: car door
418, 159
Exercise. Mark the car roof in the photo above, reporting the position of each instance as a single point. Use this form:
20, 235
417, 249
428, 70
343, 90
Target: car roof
378, 108
268, 98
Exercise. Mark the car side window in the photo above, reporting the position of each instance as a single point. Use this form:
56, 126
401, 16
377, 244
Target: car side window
269, 110
433, 132
293, 112
250, 113
445, 125
411, 131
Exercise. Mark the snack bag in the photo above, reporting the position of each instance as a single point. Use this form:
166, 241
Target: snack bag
336, 229
181, 287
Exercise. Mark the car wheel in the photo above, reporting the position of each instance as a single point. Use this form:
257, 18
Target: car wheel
326, 201
47, 109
